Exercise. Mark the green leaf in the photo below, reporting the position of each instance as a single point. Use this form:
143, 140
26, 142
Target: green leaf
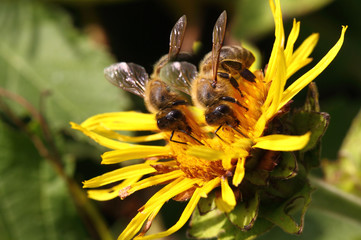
312, 100
332, 215
286, 168
207, 204
345, 173
258, 177
41, 52
315, 122
253, 18
231, 232
280, 214
245, 213
34, 201
208, 225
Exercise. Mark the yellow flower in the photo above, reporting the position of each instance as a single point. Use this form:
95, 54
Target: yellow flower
191, 171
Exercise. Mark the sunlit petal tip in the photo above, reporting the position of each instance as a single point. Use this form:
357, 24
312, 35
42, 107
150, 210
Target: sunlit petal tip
279, 142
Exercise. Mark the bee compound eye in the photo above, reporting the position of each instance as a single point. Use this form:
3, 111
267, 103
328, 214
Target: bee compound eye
174, 115
222, 109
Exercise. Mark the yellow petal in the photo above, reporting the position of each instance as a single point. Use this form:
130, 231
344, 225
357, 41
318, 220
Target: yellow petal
291, 40
228, 199
279, 40
278, 83
110, 193
134, 152
154, 180
135, 225
239, 172
187, 212
304, 80
179, 187
278, 142
119, 174
209, 186
124, 138
205, 153
300, 57
104, 141
124, 121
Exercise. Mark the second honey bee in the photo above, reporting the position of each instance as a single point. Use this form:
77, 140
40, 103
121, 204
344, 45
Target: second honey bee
160, 97
216, 89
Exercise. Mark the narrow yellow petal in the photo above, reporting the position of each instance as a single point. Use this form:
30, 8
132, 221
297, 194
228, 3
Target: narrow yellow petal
187, 212
135, 225
227, 196
119, 174
260, 125
179, 187
279, 40
239, 172
291, 40
149, 221
153, 180
134, 152
104, 141
124, 138
205, 153
145, 138
123, 121
300, 57
113, 192
137, 222
209, 186
304, 80
278, 142
278, 83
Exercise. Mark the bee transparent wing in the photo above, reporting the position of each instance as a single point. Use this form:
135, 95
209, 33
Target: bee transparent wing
219, 31
179, 75
128, 76
176, 37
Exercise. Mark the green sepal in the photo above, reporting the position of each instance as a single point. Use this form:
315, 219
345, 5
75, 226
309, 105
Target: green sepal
315, 122
258, 177
309, 118
245, 213
232, 232
207, 225
286, 168
280, 213
312, 104
207, 204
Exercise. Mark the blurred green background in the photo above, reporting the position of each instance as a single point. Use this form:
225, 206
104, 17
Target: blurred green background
52, 56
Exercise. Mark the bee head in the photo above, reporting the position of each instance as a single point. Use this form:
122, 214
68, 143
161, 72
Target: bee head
221, 114
171, 120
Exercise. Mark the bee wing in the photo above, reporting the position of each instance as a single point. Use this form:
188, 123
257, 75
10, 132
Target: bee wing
179, 75
176, 37
219, 31
128, 76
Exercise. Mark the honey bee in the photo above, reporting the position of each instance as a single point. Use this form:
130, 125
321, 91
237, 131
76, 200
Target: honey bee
216, 88
159, 97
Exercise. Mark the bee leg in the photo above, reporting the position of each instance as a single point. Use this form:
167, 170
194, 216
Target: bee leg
215, 133
248, 75
235, 129
233, 100
185, 132
171, 137
231, 79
